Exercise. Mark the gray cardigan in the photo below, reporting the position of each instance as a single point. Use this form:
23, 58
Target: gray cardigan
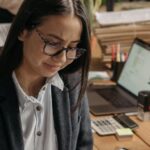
73, 130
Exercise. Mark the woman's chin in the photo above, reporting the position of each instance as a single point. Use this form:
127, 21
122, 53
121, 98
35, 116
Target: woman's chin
49, 74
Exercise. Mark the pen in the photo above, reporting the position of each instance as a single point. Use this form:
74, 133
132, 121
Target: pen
118, 52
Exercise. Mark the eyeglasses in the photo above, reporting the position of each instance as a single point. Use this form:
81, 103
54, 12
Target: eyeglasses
54, 48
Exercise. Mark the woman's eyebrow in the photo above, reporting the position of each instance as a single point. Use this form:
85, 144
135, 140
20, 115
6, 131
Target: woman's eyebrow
59, 38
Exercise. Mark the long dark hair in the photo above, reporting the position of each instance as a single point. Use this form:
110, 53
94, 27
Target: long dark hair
30, 15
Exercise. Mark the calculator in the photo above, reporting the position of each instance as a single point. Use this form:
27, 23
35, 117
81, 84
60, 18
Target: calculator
105, 125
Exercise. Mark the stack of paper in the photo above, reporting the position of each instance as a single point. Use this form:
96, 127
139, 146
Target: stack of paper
4, 28
123, 17
122, 27
124, 134
102, 75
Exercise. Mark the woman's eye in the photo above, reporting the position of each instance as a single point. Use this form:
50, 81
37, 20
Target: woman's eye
53, 44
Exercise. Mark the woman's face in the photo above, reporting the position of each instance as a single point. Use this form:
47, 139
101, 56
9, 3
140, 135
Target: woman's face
63, 31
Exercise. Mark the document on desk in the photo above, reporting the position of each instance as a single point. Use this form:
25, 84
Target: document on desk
123, 17
4, 28
102, 75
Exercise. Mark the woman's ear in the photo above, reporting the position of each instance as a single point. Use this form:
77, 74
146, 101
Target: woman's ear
23, 35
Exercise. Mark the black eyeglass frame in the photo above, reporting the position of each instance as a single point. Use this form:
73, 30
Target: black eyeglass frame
79, 51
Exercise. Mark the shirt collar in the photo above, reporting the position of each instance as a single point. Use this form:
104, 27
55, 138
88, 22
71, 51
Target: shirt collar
56, 81
20, 91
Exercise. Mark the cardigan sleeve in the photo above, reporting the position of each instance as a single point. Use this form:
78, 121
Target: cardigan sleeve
85, 140
84, 135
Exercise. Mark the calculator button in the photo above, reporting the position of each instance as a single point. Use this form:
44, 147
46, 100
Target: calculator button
106, 125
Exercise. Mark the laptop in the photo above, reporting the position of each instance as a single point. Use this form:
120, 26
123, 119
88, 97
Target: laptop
134, 77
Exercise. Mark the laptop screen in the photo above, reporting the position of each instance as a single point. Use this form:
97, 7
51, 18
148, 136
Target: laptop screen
135, 75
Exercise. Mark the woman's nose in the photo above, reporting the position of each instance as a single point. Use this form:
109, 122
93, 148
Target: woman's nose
61, 57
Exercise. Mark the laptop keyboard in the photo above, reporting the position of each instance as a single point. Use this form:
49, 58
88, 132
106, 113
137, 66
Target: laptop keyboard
115, 98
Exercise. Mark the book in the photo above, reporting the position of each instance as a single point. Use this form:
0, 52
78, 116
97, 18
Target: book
123, 17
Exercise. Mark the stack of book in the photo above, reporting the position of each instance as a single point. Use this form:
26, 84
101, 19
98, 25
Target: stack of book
122, 28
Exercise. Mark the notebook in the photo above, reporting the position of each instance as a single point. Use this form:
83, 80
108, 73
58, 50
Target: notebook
123, 97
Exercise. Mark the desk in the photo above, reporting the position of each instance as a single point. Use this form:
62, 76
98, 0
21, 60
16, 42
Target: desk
141, 138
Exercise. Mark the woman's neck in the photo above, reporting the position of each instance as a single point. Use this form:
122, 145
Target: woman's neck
30, 83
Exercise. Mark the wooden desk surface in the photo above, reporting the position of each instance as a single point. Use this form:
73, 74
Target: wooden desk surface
143, 130
140, 140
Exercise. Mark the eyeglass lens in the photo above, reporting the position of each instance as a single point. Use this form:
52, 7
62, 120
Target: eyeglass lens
71, 53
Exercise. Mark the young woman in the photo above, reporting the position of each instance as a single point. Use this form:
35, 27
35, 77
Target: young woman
43, 75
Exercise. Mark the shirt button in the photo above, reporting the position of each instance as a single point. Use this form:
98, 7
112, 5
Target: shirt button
44, 88
39, 133
38, 108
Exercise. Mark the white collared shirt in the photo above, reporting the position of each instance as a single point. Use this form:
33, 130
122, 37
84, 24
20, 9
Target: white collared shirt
37, 116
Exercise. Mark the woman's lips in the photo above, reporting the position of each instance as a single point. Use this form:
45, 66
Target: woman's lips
52, 67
